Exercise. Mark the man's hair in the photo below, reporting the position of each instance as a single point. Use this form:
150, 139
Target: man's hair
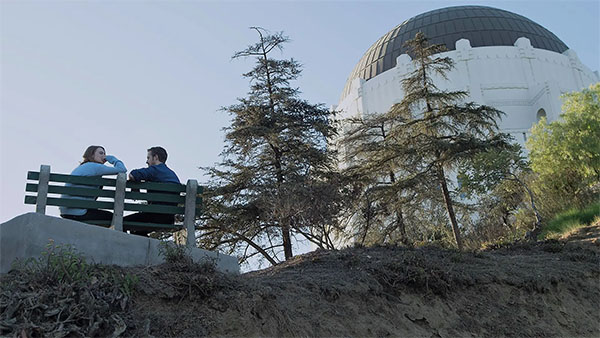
88, 155
160, 152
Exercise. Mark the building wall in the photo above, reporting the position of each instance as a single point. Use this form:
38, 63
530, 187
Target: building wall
518, 80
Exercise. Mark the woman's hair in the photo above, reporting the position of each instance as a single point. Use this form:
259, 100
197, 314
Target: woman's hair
88, 155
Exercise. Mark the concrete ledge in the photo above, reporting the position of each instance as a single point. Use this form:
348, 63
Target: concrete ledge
27, 235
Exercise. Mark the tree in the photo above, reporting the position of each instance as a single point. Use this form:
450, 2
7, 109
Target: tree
276, 180
495, 214
381, 212
565, 154
430, 132
487, 170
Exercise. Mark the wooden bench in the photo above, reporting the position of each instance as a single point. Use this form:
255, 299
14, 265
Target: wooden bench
186, 199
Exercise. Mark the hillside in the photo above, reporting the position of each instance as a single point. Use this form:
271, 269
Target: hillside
523, 290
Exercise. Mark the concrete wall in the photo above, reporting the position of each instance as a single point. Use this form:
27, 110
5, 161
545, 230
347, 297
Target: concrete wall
27, 235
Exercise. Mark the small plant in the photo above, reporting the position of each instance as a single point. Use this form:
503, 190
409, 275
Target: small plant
59, 262
62, 263
174, 253
127, 283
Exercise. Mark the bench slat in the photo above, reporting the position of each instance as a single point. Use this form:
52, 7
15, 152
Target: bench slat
150, 226
91, 192
74, 191
86, 180
88, 204
94, 181
154, 197
159, 209
139, 225
168, 187
72, 203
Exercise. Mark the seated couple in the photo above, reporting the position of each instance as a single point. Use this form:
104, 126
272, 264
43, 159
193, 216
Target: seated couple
94, 158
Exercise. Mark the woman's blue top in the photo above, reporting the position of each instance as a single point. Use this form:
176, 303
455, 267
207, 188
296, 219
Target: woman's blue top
91, 169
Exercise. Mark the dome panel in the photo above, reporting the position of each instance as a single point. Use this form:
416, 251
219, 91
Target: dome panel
483, 26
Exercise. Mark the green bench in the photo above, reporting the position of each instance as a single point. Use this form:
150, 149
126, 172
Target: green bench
188, 198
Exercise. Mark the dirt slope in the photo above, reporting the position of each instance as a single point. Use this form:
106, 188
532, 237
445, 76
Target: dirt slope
542, 290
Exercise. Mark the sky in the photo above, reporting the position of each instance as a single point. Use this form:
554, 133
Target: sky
129, 75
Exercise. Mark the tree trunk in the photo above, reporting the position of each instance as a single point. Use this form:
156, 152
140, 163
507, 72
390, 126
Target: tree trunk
399, 214
450, 209
537, 227
285, 227
287, 241
538, 218
368, 217
402, 226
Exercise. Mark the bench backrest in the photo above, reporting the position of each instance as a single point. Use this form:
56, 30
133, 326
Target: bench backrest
162, 198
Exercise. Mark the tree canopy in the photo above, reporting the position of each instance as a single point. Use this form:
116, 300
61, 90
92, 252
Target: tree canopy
566, 153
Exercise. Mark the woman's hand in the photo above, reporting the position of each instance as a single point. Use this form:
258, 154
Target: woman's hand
111, 159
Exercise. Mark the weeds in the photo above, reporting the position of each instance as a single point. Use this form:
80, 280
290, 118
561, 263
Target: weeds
59, 263
179, 256
174, 253
414, 269
60, 294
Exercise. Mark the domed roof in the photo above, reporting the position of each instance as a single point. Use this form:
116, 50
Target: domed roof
481, 25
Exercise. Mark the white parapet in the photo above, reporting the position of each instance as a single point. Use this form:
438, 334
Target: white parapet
520, 80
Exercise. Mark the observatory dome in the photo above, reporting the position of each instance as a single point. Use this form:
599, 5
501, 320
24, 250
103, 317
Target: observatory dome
501, 59
481, 25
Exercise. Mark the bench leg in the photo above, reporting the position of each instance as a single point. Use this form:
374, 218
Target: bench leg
42, 195
119, 206
190, 212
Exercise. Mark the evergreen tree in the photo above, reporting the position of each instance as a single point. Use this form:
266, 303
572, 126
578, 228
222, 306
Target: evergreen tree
276, 179
382, 212
430, 131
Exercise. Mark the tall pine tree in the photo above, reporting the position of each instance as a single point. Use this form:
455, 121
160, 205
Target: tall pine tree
275, 181
429, 133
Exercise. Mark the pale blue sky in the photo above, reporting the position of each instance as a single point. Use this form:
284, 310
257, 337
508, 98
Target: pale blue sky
133, 74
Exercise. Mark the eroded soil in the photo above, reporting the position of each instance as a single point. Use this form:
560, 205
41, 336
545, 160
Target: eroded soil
548, 289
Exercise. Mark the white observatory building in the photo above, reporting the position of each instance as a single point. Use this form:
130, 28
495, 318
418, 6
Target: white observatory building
501, 59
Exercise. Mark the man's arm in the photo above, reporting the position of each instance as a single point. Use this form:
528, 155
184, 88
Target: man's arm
143, 174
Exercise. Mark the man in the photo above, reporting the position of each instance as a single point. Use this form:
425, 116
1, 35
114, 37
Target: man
157, 171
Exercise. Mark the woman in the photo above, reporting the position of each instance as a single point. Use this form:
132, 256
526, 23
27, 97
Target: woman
94, 158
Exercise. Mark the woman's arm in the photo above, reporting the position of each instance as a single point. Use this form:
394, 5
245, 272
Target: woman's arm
101, 169
118, 164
